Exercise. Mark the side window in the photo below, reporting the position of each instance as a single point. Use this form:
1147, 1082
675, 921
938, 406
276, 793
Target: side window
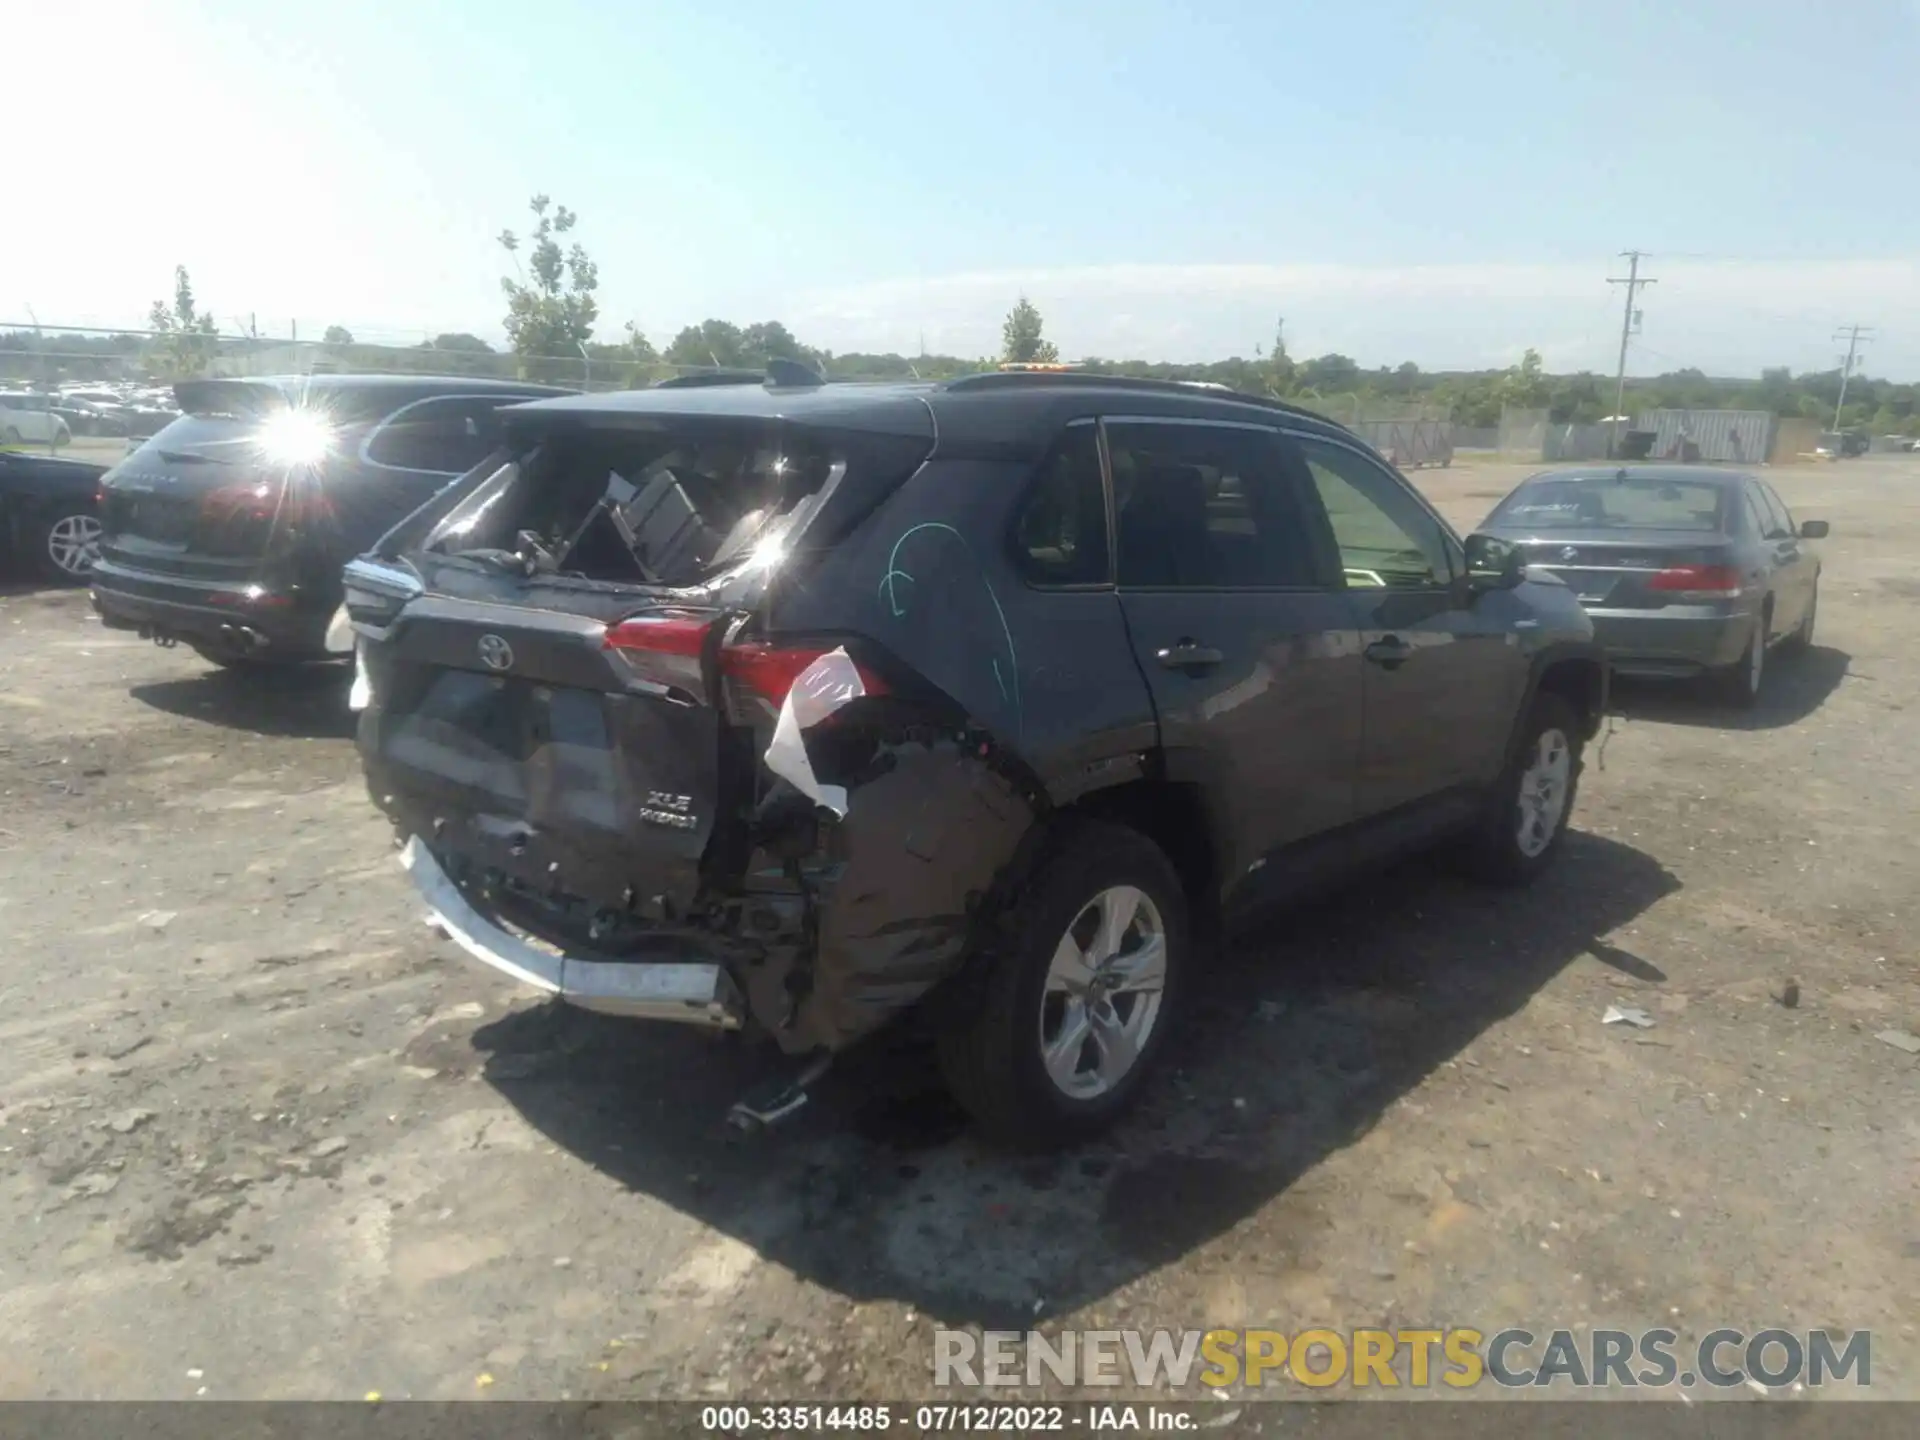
451, 435
1387, 539
1757, 511
1201, 507
1060, 536
1782, 526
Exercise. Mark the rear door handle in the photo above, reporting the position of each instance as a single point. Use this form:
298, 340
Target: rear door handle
1390, 653
1187, 655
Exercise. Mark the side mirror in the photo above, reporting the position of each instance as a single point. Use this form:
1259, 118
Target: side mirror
1814, 529
1493, 563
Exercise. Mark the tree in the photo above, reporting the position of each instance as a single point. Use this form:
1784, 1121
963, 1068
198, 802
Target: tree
1525, 386
1326, 374
551, 313
459, 340
1021, 341
338, 335
185, 341
710, 343
722, 343
770, 340
1279, 378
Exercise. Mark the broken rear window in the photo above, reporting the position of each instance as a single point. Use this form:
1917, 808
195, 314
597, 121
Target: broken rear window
661, 506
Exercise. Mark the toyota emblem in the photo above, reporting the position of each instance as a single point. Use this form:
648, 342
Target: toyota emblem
495, 652
1567, 554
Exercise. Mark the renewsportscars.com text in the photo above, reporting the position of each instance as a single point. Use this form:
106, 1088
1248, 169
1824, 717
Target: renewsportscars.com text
1459, 1358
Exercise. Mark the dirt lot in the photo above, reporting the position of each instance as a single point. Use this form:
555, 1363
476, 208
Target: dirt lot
266, 1136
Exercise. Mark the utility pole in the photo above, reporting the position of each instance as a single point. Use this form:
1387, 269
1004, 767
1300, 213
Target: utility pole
1853, 335
1633, 282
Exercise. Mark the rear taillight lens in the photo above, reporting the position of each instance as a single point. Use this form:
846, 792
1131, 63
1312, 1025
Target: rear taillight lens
759, 670
291, 504
768, 671
659, 635
1697, 582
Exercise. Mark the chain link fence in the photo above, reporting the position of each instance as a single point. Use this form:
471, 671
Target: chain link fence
67, 386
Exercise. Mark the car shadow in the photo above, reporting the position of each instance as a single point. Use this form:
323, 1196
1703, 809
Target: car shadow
306, 702
1299, 1039
1795, 686
26, 585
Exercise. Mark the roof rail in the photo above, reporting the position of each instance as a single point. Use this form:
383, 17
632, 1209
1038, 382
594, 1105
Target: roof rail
698, 378
1061, 379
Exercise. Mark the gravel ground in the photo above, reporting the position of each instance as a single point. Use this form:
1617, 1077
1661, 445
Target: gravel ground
266, 1136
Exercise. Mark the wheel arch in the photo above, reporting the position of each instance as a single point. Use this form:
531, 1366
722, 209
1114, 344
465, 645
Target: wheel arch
1175, 816
1575, 671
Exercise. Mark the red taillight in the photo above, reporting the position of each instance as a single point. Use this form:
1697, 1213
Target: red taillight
268, 500
1716, 581
660, 634
768, 671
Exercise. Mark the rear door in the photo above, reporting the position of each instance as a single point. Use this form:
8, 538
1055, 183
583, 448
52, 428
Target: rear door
1793, 561
1247, 645
1443, 669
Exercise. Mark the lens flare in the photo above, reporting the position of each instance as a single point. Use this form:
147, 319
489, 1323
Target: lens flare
295, 437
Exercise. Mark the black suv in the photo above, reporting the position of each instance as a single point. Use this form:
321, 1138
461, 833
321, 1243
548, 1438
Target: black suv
228, 528
792, 707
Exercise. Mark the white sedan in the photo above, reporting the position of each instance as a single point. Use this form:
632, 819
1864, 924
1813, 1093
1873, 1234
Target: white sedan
27, 418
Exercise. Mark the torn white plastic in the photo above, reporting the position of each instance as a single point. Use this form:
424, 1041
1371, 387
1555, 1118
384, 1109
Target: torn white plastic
823, 687
339, 633
1627, 1015
362, 690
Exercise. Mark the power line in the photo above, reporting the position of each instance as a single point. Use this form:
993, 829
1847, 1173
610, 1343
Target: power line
1853, 335
1633, 282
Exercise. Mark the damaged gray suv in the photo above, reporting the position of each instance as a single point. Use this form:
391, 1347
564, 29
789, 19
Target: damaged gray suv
794, 707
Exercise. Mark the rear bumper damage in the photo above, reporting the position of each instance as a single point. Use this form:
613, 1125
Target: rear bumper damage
693, 993
828, 935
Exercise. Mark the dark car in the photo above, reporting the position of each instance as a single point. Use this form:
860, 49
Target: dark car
1685, 571
49, 513
228, 528
794, 707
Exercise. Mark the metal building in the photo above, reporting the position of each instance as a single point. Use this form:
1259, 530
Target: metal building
1733, 437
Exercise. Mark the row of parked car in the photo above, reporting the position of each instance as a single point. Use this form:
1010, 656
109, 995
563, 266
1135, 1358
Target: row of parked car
798, 708
53, 418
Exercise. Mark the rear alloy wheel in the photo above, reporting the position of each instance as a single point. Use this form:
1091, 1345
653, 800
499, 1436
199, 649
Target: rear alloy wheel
69, 546
1530, 806
1079, 1001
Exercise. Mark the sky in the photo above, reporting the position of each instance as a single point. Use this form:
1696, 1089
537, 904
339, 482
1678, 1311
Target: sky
1449, 184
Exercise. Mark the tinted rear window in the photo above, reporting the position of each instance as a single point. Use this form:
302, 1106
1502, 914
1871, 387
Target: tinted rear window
1609, 503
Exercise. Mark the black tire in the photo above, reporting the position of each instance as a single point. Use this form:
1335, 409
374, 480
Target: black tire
1802, 638
1497, 853
993, 1061
1739, 684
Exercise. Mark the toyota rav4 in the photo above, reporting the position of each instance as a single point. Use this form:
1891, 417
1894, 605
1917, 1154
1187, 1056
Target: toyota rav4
792, 707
